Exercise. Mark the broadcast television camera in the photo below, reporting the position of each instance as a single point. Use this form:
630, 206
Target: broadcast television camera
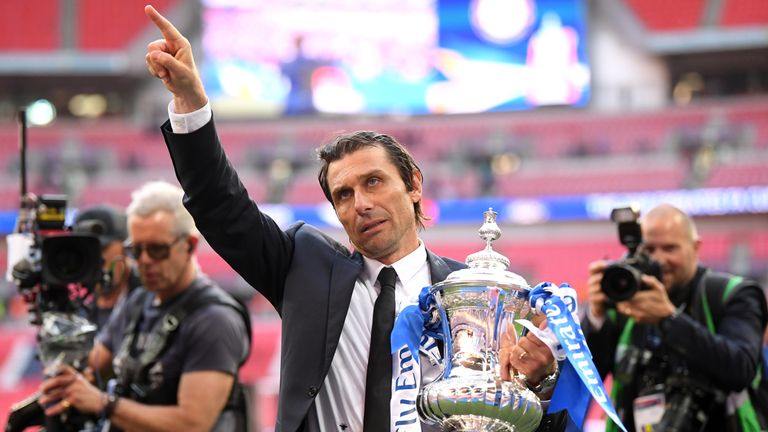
55, 276
621, 279
58, 261
55, 271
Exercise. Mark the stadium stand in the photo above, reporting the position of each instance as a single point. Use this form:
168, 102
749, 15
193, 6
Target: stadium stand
656, 15
740, 13
29, 26
98, 30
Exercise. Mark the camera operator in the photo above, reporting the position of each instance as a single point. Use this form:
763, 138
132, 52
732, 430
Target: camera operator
671, 372
176, 344
109, 224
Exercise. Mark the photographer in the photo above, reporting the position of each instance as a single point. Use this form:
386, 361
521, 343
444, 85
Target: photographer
176, 344
673, 371
109, 224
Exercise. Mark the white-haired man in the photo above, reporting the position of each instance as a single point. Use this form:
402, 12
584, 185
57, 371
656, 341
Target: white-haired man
176, 344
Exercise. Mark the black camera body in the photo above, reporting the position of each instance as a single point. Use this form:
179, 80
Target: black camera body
57, 260
653, 369
687, 410
621, 279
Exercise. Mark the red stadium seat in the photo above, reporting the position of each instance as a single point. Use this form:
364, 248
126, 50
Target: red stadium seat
739, 13
661, 15
112, 25
30, 25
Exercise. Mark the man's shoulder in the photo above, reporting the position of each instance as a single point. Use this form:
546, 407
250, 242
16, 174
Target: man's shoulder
453, 264
722, 287
306, 234
212, 314
209, 294
211, 306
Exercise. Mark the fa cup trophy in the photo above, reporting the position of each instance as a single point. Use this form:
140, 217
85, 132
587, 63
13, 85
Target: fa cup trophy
481, 304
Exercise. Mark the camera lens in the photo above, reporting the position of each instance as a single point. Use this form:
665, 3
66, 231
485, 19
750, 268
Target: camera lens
67, 264
620, 281
71, 259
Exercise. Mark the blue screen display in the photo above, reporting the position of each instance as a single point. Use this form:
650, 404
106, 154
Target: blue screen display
389, 57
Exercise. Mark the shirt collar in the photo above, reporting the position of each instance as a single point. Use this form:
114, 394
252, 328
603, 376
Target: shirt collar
406, 267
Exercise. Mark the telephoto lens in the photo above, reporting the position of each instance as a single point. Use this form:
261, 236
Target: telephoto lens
620, 281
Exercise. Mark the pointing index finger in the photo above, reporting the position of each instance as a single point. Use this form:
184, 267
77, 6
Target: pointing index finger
167, 29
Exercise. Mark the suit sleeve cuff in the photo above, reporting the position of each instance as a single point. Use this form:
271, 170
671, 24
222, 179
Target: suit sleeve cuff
189, 122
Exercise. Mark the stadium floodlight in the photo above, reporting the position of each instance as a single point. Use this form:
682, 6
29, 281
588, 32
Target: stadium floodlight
41, 112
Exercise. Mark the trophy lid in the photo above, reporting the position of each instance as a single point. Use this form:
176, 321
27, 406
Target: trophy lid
487, 266
488, 258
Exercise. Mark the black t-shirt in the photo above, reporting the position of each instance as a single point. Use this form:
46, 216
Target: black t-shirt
212, 338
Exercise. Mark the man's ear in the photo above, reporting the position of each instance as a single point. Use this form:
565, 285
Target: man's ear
416, 190
192, 241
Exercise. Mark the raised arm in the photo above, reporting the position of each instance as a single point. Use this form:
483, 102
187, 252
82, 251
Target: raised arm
170, 59
249, 240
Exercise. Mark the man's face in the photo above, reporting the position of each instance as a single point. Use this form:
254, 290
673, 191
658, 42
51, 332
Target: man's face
156, 231
669, 241
373, 205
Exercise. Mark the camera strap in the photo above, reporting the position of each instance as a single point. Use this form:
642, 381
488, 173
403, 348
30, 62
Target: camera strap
718, 287
618, 386
203, 293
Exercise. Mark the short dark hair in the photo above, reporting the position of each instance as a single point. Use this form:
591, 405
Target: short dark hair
348, 143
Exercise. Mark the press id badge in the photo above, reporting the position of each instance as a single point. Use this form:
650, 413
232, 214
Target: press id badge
649, 410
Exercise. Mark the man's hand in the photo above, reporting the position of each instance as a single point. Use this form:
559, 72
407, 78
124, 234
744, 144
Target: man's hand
595, 294
170, 59
70, 389
530, 356
649, 305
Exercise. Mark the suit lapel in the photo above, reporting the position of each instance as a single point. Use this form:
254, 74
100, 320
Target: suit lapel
438, 268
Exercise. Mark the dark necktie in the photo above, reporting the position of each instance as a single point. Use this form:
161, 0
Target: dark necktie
378, 381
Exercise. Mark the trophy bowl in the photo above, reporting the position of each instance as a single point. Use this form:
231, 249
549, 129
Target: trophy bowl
478, 306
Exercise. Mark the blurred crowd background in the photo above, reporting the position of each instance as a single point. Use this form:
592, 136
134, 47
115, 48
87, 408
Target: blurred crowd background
551, 111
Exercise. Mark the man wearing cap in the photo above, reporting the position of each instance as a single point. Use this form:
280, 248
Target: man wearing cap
109, 225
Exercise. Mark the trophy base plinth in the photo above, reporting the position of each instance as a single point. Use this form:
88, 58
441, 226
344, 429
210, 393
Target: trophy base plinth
479, 404
472, 423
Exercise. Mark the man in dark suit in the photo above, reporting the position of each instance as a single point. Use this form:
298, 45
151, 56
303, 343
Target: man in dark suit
324, 293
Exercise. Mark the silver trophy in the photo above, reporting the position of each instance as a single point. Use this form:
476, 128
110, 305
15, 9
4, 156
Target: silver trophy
480, 304
65, 338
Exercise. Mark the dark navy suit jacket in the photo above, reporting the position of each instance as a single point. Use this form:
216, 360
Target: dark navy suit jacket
305, 274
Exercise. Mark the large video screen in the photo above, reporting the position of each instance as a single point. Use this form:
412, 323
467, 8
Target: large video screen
393, 57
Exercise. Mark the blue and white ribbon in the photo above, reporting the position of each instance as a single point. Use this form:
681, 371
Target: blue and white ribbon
413, 333
579, 380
